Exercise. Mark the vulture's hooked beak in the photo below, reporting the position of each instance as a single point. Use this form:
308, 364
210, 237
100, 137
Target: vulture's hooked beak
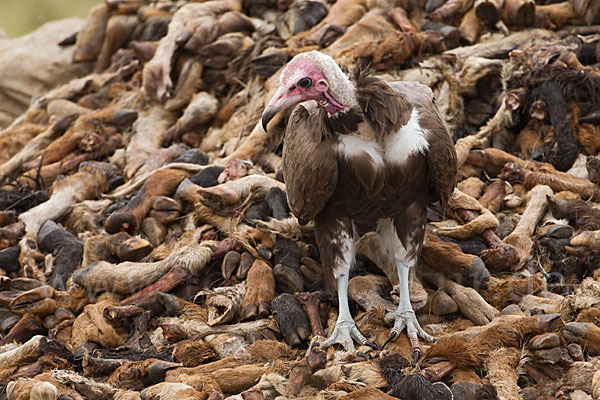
279, 102
268, 115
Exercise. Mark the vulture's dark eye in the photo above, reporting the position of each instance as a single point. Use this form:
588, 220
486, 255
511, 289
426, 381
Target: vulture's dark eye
304, 83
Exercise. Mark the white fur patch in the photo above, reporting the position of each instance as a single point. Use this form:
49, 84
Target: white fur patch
352, 146
409, 140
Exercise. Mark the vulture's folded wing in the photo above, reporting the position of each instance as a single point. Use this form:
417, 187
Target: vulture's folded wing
309, 166
441, 156
442, 164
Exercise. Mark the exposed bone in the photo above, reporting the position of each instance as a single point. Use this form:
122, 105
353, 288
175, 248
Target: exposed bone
310, 303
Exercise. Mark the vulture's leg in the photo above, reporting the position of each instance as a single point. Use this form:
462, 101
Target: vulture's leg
335, 238
406, 257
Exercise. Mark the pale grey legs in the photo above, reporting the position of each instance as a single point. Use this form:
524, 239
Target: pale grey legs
404, 316
345, 331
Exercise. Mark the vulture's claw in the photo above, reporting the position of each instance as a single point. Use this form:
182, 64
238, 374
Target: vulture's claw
372, 345
345, 333
407, 319
416, 355
392, 336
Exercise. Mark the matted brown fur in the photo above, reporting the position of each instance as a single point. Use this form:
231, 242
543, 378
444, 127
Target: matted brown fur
466, 351
91, 325
367, 393
192, 353
511, 290
260, 287
13, 140
465, 375
501, 365
591, 314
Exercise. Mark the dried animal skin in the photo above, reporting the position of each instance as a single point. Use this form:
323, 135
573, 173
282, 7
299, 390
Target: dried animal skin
223, 303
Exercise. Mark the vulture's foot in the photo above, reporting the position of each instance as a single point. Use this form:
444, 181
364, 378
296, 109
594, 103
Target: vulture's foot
407, 319
345, 333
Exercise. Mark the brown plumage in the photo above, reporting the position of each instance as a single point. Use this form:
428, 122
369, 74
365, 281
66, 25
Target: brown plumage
366, 150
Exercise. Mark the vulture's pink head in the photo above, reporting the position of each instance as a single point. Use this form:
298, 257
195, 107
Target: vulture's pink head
311, 76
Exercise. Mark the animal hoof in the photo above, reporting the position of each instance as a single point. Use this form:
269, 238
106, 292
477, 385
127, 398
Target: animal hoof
249, 312
478, 274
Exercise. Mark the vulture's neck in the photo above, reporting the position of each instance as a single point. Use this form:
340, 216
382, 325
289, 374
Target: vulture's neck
369, 99
341, 94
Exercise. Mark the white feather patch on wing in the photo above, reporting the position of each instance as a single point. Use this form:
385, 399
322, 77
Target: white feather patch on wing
352, 146
409, 140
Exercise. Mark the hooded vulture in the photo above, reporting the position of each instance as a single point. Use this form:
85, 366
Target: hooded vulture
361, 149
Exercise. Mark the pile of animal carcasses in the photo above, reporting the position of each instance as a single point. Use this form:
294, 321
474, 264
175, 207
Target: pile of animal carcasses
147, 250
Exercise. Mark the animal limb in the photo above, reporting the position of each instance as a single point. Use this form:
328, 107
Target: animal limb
520, 238
114, 248
129, 277
260, 291
303, 369
447, 257
471, 347
310, 304
293, 322
68, 252
28, 326
91, 35
365, 290
557, 181
501, 365
162, 182
583, 333
470, 303
223, 303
